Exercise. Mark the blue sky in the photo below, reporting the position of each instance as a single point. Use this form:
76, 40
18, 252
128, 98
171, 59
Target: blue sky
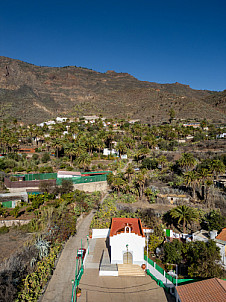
165, 42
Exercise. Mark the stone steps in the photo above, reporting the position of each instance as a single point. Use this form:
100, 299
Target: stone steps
130, 270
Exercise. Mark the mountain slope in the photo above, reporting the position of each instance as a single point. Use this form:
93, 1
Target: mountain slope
36, 93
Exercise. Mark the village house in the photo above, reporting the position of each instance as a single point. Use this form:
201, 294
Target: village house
221, 243
11, 200
220, 240
209, 290
172, 198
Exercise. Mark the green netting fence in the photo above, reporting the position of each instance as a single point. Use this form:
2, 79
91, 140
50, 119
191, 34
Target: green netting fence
84, 179
40, 176
93, 177
96, 172
37, 176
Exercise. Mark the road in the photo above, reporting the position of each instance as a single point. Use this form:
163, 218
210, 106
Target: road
60, 287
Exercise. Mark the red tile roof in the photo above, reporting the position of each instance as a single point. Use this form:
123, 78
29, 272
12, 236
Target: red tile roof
211, 290
118, 226
222, 235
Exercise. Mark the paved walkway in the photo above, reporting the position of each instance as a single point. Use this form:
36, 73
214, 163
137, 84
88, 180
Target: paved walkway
159, 276
60, 287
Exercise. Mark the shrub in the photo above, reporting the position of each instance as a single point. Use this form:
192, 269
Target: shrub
45, 157
15, 212
35, 156
4, 229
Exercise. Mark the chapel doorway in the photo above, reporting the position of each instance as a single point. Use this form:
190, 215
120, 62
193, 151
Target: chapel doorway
127, 258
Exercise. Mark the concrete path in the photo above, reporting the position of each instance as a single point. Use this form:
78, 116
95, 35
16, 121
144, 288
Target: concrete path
60, 287
159, 276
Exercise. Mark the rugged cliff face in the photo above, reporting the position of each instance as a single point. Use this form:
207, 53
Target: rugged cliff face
33, 94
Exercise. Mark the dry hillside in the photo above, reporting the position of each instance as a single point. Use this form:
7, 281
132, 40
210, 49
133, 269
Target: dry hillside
33, 94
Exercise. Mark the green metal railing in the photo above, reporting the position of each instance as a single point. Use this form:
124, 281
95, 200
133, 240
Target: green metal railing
159, 282
78, 273
164, 273
149, 260
159, 269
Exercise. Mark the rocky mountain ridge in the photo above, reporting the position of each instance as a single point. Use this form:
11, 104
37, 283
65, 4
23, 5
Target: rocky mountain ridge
33, 94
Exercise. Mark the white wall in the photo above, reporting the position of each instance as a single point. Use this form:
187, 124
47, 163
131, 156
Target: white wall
222, 252
135, 243
108, 273
100, 233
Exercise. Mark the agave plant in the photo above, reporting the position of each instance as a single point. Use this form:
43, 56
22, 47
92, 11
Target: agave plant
43, 248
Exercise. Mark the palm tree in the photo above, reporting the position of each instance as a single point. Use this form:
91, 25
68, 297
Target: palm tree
91, 143
203, 175
121, 148
100, 145
217, 167
162, 160
141, 180
84, 160
187, 161
184, 214
70, 150
118, 183
129, 171
57, 144
191, 179
129, 142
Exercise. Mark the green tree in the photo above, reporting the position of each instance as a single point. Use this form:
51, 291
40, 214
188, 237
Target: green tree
217, 167
162, 161
172, 114
153, 242
202, 259
84, 160
173, 252
70, 150
191, 179
184, 214
45, 157
66, 186
121, 148
213, 221
187, 161
57, 144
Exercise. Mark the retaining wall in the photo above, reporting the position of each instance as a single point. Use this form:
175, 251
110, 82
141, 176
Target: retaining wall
9, 223
100, 233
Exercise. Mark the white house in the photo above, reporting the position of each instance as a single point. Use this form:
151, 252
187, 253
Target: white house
127, 241
107, 152
221, 243
220, 240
